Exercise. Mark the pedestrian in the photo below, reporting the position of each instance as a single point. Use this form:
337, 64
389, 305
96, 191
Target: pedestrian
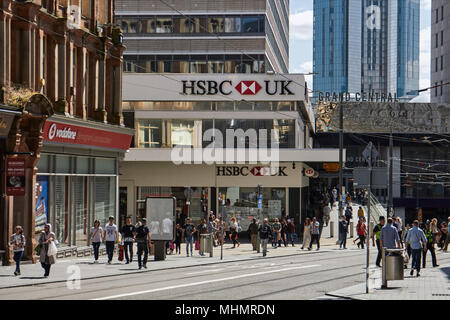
253, 229
47, 239
348, 215
178, 236
429, 246
202, 228
188, 236
447, 239
343, 229
276, 236
128, 234
17, 240
335, 195
400, 229
143, 240
417, 240
96, 239
291, 231
389, 236
360, 212
376, 234
326, 210
306, 233
315, 233
361, 230
283, 232
111, 236
221, 225
265, 230
405, 235
434, 229
234, 229
212, 228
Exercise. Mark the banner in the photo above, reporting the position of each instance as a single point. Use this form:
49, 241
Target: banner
41, 209
15, 177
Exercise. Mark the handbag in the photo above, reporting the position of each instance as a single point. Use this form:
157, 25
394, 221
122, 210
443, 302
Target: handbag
52, 250
120, 252
197, 245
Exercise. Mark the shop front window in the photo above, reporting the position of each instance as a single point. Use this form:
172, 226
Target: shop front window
105, 199
61, 227
80, 209
150, 133
182, 133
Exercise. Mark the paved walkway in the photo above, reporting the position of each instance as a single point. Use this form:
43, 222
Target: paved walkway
32, 274
433, 284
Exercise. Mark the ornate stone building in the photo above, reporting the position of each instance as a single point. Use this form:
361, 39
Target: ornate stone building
59, 60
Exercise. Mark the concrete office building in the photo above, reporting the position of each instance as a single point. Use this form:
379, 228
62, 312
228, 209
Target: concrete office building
440, 50
367, 46
214, 36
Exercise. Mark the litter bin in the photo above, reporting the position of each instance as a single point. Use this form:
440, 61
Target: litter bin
206, 244
393, 266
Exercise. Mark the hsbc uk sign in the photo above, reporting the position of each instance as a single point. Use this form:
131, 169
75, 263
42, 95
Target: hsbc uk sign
253, 171
245, 88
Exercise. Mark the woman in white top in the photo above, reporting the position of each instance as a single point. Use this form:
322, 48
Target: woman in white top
17, 240
96, 238
306, 233
234, 228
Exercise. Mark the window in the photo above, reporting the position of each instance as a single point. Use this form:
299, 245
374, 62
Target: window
182, 133
164, 25
442, 37
442, 13
216, 25
150, 133
437, 15
442, 63
250, 24
436, 64
233, 24
437, 40
442, 88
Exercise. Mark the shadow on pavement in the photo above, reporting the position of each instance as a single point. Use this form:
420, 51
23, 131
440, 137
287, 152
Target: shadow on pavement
31, 278
446, 271
6, 275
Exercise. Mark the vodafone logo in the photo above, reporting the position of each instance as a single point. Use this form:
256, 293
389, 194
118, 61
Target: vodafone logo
248, 88
65, 133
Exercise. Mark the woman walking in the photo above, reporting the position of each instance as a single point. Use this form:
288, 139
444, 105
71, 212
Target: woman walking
46, 240
435, 230
96, 238
283, 232
234, 229
17, 240
306, 233
276, 233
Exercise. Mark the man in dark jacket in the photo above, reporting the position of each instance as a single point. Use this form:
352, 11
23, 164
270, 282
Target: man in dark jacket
291, 231
343, 228
264, 233
253, 229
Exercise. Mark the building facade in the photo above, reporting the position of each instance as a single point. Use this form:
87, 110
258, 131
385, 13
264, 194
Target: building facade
198, 138
367, 46
218, 36
440, 51
61, 73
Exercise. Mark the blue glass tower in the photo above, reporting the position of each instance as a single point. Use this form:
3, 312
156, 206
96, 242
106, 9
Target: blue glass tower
366, 46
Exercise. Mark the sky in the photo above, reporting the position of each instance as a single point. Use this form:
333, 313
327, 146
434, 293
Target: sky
301, 42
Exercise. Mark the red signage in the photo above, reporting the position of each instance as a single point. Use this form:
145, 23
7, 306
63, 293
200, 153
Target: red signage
65, 133
250, 88
15, 177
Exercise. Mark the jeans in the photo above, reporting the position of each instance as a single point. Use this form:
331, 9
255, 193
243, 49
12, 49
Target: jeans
142, 248
110, 250
189, 243
430, 247
126, 246
46, 269
234, 238
17, 258
416, 254
96, 246
344, 239
362, 239
317, 238
290, 238
177, 247
379, 252
264, 243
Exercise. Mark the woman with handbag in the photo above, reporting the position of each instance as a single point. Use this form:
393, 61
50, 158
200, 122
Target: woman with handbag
47, 242
17, 240
96, 238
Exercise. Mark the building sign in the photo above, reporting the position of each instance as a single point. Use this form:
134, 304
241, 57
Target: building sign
64, 133
214, 87
6, 121
331, 167
357, 96
253, 171
309, 172
15, 177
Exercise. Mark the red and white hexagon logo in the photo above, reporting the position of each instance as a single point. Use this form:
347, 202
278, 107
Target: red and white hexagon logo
248, 88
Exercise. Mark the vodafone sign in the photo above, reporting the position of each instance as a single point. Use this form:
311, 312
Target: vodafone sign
309, 172
55, 132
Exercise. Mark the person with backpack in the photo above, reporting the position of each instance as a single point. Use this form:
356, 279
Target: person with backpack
96, 239
17, 240
188, 236
265, 230
253, 229
348, 215
143, 240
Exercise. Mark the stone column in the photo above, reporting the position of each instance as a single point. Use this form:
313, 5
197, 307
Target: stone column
61, 105
3, 57
101, 109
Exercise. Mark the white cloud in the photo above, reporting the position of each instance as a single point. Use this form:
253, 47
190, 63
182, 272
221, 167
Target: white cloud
425, 61
306, 67
425, 4
301, 25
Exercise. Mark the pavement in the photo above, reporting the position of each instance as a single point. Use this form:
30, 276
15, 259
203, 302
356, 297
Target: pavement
32, 274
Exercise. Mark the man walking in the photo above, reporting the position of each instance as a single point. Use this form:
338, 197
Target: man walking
447, 239
202, 228
326, 214
417, 240
291, 231
315, 233
111, 236
429, 246
264, 232
253, 228
376, 233
143, 240
188, 235
343, 228
389, 236
128, 235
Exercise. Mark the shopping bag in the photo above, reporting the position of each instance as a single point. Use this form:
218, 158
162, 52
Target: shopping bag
52, 250
197, 245
120, 252
172, 246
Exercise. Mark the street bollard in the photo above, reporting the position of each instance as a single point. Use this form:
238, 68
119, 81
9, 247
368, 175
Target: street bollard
331, 229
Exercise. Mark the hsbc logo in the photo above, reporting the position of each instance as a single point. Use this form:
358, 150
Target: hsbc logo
245, 88
255, 171
65, 133
248, 88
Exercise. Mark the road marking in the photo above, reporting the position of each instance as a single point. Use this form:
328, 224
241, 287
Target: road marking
204, 282
204, 271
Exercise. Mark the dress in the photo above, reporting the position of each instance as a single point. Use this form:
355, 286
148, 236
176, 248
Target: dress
306, 236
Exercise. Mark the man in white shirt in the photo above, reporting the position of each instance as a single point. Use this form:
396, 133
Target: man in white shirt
111, 236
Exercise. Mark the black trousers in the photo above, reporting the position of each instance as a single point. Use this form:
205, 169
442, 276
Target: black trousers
142, 248
362, 239
379, 255
128, 246
315, 237
430, 248
177, 247
46, 269
110, 250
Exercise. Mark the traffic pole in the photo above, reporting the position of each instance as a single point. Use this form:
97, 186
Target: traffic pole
368, 219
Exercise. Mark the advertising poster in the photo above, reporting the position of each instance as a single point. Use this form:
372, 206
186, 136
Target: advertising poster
40, 211
161, 218
15, 177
